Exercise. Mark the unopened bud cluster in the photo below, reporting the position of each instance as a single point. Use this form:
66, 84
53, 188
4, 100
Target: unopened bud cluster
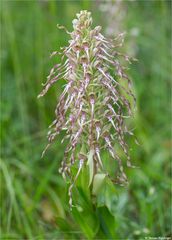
95, 101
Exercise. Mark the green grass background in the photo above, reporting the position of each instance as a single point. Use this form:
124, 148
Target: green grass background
34, 202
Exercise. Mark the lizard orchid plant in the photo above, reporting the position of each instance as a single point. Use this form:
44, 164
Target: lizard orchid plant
95, 102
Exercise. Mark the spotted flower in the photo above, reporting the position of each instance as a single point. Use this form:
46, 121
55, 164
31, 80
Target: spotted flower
95, 102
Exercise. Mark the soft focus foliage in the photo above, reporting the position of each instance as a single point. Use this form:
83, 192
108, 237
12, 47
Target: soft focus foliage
34, 198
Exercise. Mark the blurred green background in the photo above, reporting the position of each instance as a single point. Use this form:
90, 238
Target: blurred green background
34, 202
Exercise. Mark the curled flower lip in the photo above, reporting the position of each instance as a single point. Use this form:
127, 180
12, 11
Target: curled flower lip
98, 129
97, 151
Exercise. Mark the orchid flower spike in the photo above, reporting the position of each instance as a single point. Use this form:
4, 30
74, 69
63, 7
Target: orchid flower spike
95, 102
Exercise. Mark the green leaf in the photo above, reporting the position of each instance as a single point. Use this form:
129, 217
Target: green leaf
107, 196
107, 223
87, 221
64, 225
84, 214
85, 181
90, 163
98, 181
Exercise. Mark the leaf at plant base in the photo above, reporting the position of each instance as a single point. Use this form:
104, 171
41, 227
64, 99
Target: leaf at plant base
63, 224
87, 221
107, 223
98, 181
91, 166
